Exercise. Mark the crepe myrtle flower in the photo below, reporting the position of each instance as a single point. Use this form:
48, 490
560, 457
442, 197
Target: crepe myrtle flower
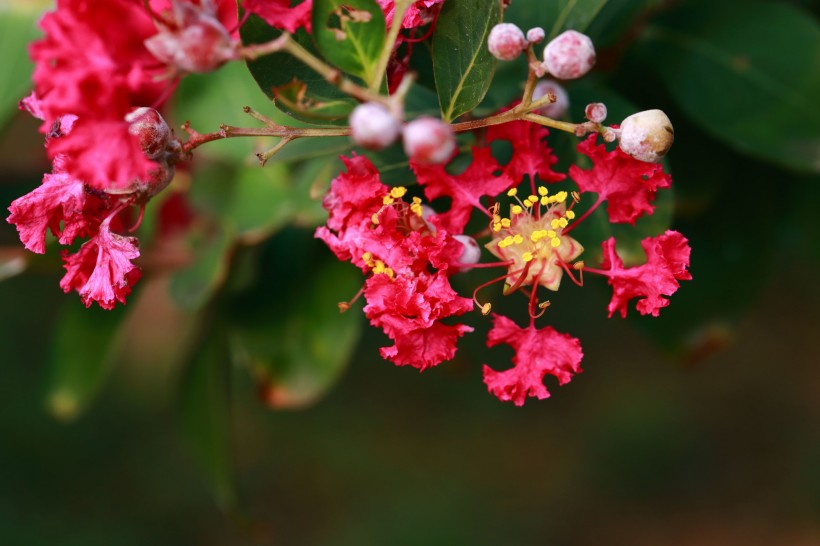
408, 251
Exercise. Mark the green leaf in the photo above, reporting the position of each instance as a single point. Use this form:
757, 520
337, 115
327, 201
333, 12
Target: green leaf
747, 73
462, 64
192, 287
555, 16
299, 91
350, 34
205, 409
259, 201
81, 357
17, 29
292, 337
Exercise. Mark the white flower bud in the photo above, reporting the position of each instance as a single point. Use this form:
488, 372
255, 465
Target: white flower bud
429, 140
569, 55
647, 136
554, 110
373, 126
506, 41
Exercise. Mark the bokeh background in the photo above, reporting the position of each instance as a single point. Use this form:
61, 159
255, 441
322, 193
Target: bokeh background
701, 427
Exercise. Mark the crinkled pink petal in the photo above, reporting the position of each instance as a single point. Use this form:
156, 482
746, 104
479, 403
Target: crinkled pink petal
281, 14
101, 271
531, 155
91, 62
667, 260
484, 177
103, 154
628, 185
58, 204
409, 311
537, 353
418, 14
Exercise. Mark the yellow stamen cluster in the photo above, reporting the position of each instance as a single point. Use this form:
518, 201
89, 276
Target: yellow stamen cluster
377, 266
393, 197
533, 239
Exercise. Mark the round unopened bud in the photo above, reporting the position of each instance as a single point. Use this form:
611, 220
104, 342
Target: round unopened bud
569, 55
506, 41
535, 35
595, 112
153, 133
373, 127
555, 109
429, 140
472, 252
647, 135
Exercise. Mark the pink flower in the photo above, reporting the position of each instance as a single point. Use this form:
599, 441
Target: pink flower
667, 260
61, 204
627, 184
370, 225
537, 353
409, 310
102, 271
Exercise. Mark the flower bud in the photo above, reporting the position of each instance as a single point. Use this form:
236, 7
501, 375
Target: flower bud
595, 112
373, 127
506, 41
429, 140
647, 136
153, 133
569, 55
535, 35
555, 109
472, 252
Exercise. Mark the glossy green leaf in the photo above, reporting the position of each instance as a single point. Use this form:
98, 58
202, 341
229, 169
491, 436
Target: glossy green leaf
17, 29
81, 357
462, 64
192, 287
555, 16
289, 331
350, 34
259, 202
297, 90
205, 409
747, 73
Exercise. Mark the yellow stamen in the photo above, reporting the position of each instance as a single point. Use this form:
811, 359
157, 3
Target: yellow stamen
512, 192
556, 242
542, 190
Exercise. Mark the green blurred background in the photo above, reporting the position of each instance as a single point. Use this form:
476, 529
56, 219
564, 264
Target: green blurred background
700, 427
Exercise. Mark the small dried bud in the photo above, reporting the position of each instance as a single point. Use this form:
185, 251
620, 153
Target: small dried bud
535, 35
429, 140
153, 133
555, 109
472, 252
506, 41
647, 135
569, 55
595, 112
373, 126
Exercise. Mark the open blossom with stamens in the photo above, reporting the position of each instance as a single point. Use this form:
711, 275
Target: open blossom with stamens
532, 241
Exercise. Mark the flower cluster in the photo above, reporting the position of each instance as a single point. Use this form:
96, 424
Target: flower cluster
99, 86
97, 83
408, 251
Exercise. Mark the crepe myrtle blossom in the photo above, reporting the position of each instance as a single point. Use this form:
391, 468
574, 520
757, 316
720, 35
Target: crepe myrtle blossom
408, 251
